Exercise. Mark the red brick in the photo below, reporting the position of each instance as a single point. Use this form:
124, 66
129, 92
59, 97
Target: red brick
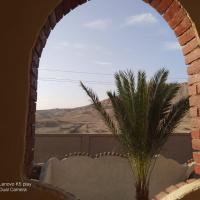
196, 144
147, 1
195, 123
47, 28
39, 47
74, 4
52, 20
32, 106
31, 118
172, 10
34, 72
162, 7
160, 195
186, 37
195, 78
43, 37
198, 89
35, 59
155, 3
59, 12
33, 94
198, 112
66, 6
170, 189
194, 100
84, 1
183, 26
190, 46
194, 67
180, 184
177, 18
30, 131
33, 83
192, 90
196, 156
195, 89
70, 5
197, 169
195, 134
192, 56
193, 111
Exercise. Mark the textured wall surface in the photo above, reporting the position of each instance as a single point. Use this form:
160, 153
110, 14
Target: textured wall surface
54, 145
108, 177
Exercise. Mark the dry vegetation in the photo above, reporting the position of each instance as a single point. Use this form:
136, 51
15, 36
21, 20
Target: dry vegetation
87, 120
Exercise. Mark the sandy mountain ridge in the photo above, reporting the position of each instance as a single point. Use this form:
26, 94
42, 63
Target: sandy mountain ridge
86, 119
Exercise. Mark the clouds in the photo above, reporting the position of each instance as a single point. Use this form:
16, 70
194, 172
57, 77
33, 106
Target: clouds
81, 48
140, 19
103, 63
172, 46
99, 24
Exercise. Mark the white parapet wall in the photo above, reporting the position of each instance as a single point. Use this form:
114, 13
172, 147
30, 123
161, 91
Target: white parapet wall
108, 177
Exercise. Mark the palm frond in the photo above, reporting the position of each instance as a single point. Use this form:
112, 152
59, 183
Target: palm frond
171, 121
144, 116
106, 117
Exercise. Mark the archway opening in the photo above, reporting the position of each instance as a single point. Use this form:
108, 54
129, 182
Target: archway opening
109, 41
173, 13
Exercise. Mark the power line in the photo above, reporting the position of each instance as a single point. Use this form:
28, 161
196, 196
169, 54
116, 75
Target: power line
75, 72
78, 82
66, 79
93, 73
74, 81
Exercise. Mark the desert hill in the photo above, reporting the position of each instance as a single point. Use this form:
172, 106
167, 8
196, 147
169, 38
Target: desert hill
86, 119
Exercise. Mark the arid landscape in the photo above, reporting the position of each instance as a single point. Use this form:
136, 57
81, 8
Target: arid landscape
86, 119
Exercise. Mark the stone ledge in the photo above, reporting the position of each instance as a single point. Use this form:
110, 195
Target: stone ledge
179, 190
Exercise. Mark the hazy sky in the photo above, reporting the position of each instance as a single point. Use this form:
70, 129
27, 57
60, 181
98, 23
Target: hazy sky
100, 38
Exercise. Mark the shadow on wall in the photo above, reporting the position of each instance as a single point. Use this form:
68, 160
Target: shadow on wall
109, 177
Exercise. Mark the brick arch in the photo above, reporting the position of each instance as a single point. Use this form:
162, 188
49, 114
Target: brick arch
179, 21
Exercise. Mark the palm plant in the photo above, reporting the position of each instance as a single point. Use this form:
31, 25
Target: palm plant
144, 118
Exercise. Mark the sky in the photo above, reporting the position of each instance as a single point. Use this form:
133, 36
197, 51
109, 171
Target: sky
99, 38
